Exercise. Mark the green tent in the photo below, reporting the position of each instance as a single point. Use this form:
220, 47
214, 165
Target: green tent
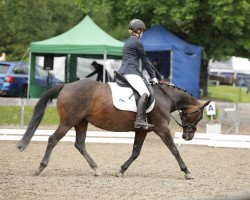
86, 39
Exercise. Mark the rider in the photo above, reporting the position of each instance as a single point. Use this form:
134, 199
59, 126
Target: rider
132, 51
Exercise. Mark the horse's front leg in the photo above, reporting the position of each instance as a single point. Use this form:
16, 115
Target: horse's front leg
169, 142
138, 142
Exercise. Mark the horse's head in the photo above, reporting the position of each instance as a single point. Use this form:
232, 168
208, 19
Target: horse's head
190, 117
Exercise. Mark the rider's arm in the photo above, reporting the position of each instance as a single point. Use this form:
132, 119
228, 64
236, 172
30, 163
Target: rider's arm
145, 61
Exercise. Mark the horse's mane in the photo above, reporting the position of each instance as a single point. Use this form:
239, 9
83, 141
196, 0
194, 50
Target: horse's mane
175, 87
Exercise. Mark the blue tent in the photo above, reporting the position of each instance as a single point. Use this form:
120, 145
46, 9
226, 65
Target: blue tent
185, 59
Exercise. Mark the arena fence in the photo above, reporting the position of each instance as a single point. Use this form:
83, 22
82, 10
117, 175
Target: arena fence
216, 140
208, 139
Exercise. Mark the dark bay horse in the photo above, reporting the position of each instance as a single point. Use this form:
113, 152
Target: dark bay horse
87, 101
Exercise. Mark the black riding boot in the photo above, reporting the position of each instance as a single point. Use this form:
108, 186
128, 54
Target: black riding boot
141, 122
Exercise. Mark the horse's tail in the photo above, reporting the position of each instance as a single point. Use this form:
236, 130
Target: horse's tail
38, 115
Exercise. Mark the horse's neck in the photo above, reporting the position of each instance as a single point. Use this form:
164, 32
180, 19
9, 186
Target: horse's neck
177, 98
181, 100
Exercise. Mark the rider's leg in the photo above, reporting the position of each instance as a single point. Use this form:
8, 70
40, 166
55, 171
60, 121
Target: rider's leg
138, 84
140, 122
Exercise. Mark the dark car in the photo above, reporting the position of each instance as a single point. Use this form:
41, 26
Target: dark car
14, 78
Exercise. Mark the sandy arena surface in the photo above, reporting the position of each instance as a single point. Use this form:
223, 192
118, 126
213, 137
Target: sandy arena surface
154, 175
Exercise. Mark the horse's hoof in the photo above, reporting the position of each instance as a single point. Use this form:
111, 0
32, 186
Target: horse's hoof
189, 176
97, 172
119, 174
37, 172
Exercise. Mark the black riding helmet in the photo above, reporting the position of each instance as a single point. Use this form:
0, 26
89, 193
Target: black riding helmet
136, 24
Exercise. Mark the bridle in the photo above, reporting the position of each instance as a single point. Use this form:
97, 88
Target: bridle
188, 126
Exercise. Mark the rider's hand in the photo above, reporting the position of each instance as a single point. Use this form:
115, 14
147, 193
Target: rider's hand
153, 81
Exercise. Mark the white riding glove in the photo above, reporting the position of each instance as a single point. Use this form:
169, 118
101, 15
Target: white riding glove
153, 81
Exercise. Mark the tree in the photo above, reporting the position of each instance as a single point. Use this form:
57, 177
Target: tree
27, 20
223, 30
107, 14
222, 27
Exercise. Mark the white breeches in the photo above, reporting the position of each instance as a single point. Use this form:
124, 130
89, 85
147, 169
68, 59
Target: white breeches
137, 83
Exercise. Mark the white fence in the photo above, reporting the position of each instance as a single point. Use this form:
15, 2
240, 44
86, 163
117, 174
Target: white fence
92, 136
208, 139
216, 140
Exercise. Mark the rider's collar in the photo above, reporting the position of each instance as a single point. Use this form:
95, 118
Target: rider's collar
135, 36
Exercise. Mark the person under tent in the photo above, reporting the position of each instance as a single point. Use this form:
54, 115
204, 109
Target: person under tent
98, 69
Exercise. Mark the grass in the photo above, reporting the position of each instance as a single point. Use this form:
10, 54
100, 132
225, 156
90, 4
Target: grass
228, 93
11, 115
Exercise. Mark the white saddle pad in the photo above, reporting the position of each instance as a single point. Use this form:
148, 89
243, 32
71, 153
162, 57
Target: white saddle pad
123, 98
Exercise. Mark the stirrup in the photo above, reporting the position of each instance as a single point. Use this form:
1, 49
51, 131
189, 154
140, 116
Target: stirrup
143, 125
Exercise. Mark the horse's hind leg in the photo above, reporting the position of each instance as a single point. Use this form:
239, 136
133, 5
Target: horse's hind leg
138, 142
53, 140
81, 129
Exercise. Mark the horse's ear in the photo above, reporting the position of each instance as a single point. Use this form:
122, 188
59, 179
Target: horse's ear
205, 104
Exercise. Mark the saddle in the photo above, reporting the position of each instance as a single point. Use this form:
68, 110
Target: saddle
122, 82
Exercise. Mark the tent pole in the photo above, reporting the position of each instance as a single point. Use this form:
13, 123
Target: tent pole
68, 68
104, 65
28, 89
171, 68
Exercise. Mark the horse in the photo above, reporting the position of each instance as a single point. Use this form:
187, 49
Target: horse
87, 101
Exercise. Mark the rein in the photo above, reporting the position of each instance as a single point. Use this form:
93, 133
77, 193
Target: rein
173, 104
187, 125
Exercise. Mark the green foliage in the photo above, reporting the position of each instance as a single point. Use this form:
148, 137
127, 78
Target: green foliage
11, 115
222, 27
226, 24
108, 14
25, 21
228, 93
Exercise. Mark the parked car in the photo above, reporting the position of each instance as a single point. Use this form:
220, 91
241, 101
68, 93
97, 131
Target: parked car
14, 78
